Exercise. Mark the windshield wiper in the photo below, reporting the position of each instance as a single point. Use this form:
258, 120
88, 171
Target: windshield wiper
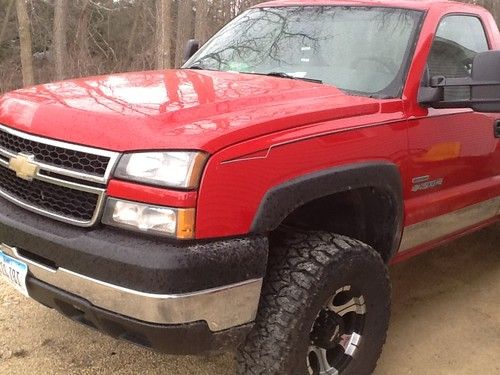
381, 96
271, 74
287, 76
199, 67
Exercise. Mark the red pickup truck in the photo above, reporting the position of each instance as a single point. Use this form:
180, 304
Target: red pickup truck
254, 198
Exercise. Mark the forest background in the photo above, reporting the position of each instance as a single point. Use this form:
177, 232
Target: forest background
49, 40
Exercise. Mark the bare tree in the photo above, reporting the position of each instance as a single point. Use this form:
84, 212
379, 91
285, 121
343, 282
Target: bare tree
24, 26
184, 29
6, 19
59, 44
133, 31
163, 34
81, 42
105, 36
202, 21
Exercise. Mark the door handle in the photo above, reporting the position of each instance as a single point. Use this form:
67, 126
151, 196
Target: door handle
497, 129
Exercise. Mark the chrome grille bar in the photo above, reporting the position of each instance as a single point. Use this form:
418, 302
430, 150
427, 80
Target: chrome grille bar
55, 175
113, 156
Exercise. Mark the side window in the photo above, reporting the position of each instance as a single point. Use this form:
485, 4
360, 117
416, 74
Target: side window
458, 40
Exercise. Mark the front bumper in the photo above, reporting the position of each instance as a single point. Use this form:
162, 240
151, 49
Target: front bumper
221, 308
145, 280
189, 338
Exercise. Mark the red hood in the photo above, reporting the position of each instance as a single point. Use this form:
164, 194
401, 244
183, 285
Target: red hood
174, 109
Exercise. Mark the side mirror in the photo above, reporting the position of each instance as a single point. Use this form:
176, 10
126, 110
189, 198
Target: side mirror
192, 46
484, 86
485, 93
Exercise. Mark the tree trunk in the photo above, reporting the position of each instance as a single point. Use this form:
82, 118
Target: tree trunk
24, 25
133, 31
163, 34
184, 29
202, 22
59, 44
82, 50
6, 20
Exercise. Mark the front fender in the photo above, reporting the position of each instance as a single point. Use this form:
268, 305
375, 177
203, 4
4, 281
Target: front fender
280, 201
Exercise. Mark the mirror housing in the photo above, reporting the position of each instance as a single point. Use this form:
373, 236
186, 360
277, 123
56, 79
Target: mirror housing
486, 96
484, 86
192, 46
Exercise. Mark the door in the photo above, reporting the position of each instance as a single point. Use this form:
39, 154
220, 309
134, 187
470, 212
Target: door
454, 154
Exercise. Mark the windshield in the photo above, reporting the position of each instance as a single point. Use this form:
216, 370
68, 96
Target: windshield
361, 50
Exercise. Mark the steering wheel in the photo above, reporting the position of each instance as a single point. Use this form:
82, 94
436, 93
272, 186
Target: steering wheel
387, 66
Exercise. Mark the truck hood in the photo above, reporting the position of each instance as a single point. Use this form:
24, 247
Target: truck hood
174, 109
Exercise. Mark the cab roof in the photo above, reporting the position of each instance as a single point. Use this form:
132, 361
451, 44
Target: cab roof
423, 5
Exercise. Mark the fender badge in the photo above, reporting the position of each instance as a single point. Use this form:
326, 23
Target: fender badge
24, 166
425, 183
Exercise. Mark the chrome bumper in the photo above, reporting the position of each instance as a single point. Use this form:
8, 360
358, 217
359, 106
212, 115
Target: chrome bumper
222, 308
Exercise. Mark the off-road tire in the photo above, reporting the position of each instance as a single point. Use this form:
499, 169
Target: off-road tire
305, 268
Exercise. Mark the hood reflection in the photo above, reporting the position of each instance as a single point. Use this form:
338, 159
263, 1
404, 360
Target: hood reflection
173, 109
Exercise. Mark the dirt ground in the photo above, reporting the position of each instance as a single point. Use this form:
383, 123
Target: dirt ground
446, 320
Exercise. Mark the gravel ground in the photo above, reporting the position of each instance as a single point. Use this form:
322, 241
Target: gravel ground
446, 320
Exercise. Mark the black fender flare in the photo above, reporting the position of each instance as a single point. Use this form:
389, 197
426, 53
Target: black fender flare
280, 201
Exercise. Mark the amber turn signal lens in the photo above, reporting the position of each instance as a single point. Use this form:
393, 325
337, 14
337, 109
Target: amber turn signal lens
197, 166
185, 223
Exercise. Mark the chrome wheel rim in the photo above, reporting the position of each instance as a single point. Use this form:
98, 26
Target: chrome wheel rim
336, 333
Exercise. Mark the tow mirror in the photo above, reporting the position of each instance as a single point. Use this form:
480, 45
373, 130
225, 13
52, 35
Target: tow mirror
192, 46
483, 85
485, 94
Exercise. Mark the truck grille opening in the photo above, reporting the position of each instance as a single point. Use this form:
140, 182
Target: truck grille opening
69, 203
68, 181
74, 160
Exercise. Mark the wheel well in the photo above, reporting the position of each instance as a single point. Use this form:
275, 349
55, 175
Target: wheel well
366, 214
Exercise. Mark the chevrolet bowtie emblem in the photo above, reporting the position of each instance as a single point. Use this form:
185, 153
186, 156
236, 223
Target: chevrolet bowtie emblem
24, 166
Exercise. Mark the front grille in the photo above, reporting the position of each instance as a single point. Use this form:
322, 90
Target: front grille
69, 203
73, 160
69, 183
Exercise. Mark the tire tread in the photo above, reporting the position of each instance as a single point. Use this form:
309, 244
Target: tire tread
297, 263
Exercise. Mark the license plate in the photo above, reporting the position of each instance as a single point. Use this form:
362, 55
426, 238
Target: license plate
14, 272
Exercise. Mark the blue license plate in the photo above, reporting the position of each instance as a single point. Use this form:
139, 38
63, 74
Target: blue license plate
14, 272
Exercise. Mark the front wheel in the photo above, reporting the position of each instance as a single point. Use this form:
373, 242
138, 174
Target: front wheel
324, 309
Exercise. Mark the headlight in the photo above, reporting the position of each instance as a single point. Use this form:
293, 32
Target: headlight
171, 222
176, 169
